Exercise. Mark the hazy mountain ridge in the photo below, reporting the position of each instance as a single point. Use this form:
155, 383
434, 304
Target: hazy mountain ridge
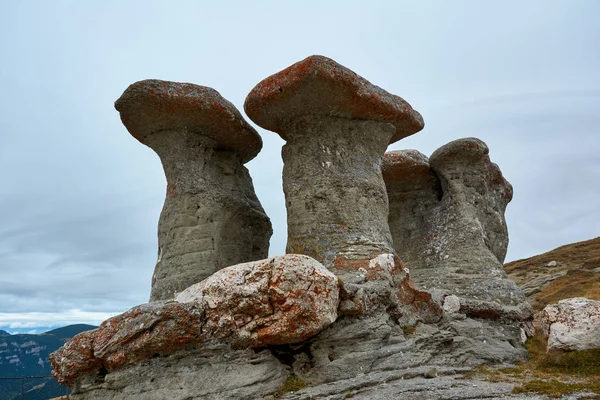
27, 355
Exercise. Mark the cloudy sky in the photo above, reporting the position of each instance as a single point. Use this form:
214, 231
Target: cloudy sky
80, 198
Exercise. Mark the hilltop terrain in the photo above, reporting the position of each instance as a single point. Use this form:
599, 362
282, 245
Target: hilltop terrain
572, 270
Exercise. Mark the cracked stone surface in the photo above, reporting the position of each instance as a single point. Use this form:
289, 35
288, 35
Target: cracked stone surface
211, 217
447, 221
280, 300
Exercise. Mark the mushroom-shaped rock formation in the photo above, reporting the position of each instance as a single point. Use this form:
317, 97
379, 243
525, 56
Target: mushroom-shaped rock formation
447, 221
211, 217
337, 126
279, 300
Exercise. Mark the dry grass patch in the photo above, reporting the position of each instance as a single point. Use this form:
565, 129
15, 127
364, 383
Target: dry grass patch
577, 283
291, 384
554, 373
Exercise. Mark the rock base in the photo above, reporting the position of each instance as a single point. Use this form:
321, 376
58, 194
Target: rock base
352, 354
207, 374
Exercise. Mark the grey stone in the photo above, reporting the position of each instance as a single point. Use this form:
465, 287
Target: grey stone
211, 217
210, 374
572, 324
410, 384
447, 221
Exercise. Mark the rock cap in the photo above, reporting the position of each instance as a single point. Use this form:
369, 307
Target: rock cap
460, 149
470, 151
318, 85
406, 166
153, 105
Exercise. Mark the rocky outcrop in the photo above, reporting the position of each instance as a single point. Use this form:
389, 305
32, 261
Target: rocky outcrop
211, 217
280, 300
572, 324
576, 274
356, 321
447, 221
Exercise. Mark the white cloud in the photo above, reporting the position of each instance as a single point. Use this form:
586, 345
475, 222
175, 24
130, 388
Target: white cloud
20, 321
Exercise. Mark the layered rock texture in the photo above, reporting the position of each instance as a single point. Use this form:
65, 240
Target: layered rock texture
211, 217
572, 324
447, 221
280, 300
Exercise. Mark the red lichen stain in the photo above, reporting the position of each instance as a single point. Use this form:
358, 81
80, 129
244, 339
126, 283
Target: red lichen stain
406, 165
171, 190
355, 97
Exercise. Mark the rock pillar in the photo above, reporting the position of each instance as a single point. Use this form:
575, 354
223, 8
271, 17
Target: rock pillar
447, 221
211, 217
337, 126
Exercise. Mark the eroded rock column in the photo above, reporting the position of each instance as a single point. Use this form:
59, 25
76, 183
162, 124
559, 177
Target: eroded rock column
447, 221
337, 126
211, 217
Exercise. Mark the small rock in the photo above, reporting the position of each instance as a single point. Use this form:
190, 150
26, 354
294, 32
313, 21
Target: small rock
431, 373
523, 335
451, 304
552, 264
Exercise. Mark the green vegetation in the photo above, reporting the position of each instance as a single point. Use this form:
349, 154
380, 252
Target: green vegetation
291, 384
408, 330
555, 373
556, 389
584, 363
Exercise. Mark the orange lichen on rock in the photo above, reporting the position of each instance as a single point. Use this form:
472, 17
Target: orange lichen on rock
408, 168
280, 300
318, 85
150, 106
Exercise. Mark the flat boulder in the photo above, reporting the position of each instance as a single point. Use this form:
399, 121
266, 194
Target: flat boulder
572, 324
279, 300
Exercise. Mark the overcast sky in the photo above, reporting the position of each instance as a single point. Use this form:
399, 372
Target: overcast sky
80, 198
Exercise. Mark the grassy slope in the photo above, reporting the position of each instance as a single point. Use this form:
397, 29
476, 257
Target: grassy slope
579, 260
556, 373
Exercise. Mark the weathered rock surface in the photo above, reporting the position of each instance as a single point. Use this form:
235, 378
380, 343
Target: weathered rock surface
337, 126
572, 324
215, 373
412, 383
283, 299
280, 300
211, 217
447, 221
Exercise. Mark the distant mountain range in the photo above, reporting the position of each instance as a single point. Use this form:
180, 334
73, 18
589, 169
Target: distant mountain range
27, 355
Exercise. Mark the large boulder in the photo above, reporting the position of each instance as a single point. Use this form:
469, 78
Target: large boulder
280, 300
572, 324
